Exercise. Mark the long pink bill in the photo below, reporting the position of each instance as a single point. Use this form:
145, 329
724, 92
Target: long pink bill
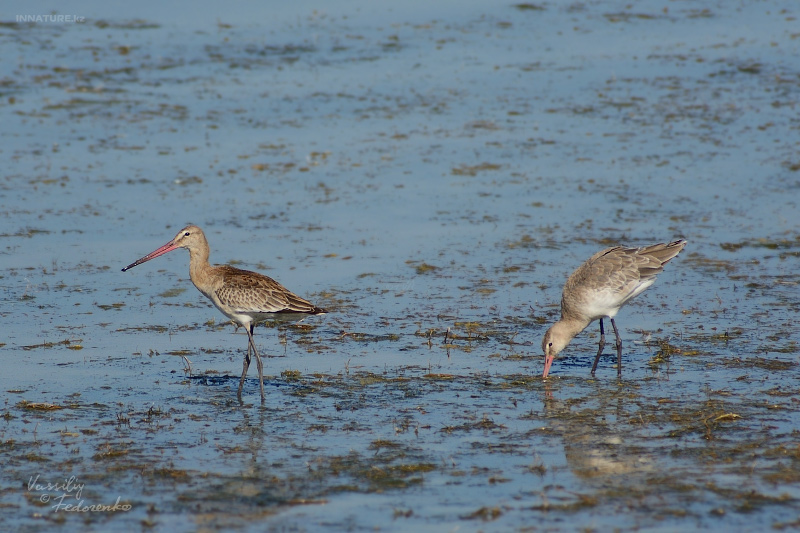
152, 255
547, 362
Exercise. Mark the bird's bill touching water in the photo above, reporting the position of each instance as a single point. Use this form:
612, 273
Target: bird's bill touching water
555, 340
548, 360
152, 255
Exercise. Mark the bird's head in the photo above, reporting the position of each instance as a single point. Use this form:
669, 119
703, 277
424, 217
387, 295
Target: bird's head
190, 237
555, 340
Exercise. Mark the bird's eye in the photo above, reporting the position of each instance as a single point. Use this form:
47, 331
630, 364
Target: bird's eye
549, 343
186, 234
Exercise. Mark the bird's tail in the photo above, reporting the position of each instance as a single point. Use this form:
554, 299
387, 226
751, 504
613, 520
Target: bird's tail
663, 252
657, 256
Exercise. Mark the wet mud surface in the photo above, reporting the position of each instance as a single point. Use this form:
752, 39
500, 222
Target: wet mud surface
431, 175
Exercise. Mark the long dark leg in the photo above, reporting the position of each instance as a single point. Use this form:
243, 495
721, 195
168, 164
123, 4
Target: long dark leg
259, 364
244, 372
619, 349
602, 345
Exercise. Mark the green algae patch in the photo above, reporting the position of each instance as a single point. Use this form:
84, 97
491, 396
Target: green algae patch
473, 170
377, 473
173, 292
39, 406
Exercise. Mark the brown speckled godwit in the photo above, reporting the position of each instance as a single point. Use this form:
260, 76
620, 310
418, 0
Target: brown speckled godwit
243, 296
598, 288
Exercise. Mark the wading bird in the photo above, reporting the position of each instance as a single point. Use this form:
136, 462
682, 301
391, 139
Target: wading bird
598, 288
243, 296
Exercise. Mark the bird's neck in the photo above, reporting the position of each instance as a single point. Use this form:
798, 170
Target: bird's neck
570, 326
198, 263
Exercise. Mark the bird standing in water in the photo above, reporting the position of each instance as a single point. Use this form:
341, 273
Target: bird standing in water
243, 296
598, 288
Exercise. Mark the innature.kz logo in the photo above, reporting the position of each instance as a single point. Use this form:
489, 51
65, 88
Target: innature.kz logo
50, 18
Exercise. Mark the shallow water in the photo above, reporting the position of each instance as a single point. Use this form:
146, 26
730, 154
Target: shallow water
431, 174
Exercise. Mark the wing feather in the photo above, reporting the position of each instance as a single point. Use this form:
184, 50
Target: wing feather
250, 292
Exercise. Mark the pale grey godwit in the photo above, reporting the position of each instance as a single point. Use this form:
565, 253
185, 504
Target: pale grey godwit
598, 288
243, 296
